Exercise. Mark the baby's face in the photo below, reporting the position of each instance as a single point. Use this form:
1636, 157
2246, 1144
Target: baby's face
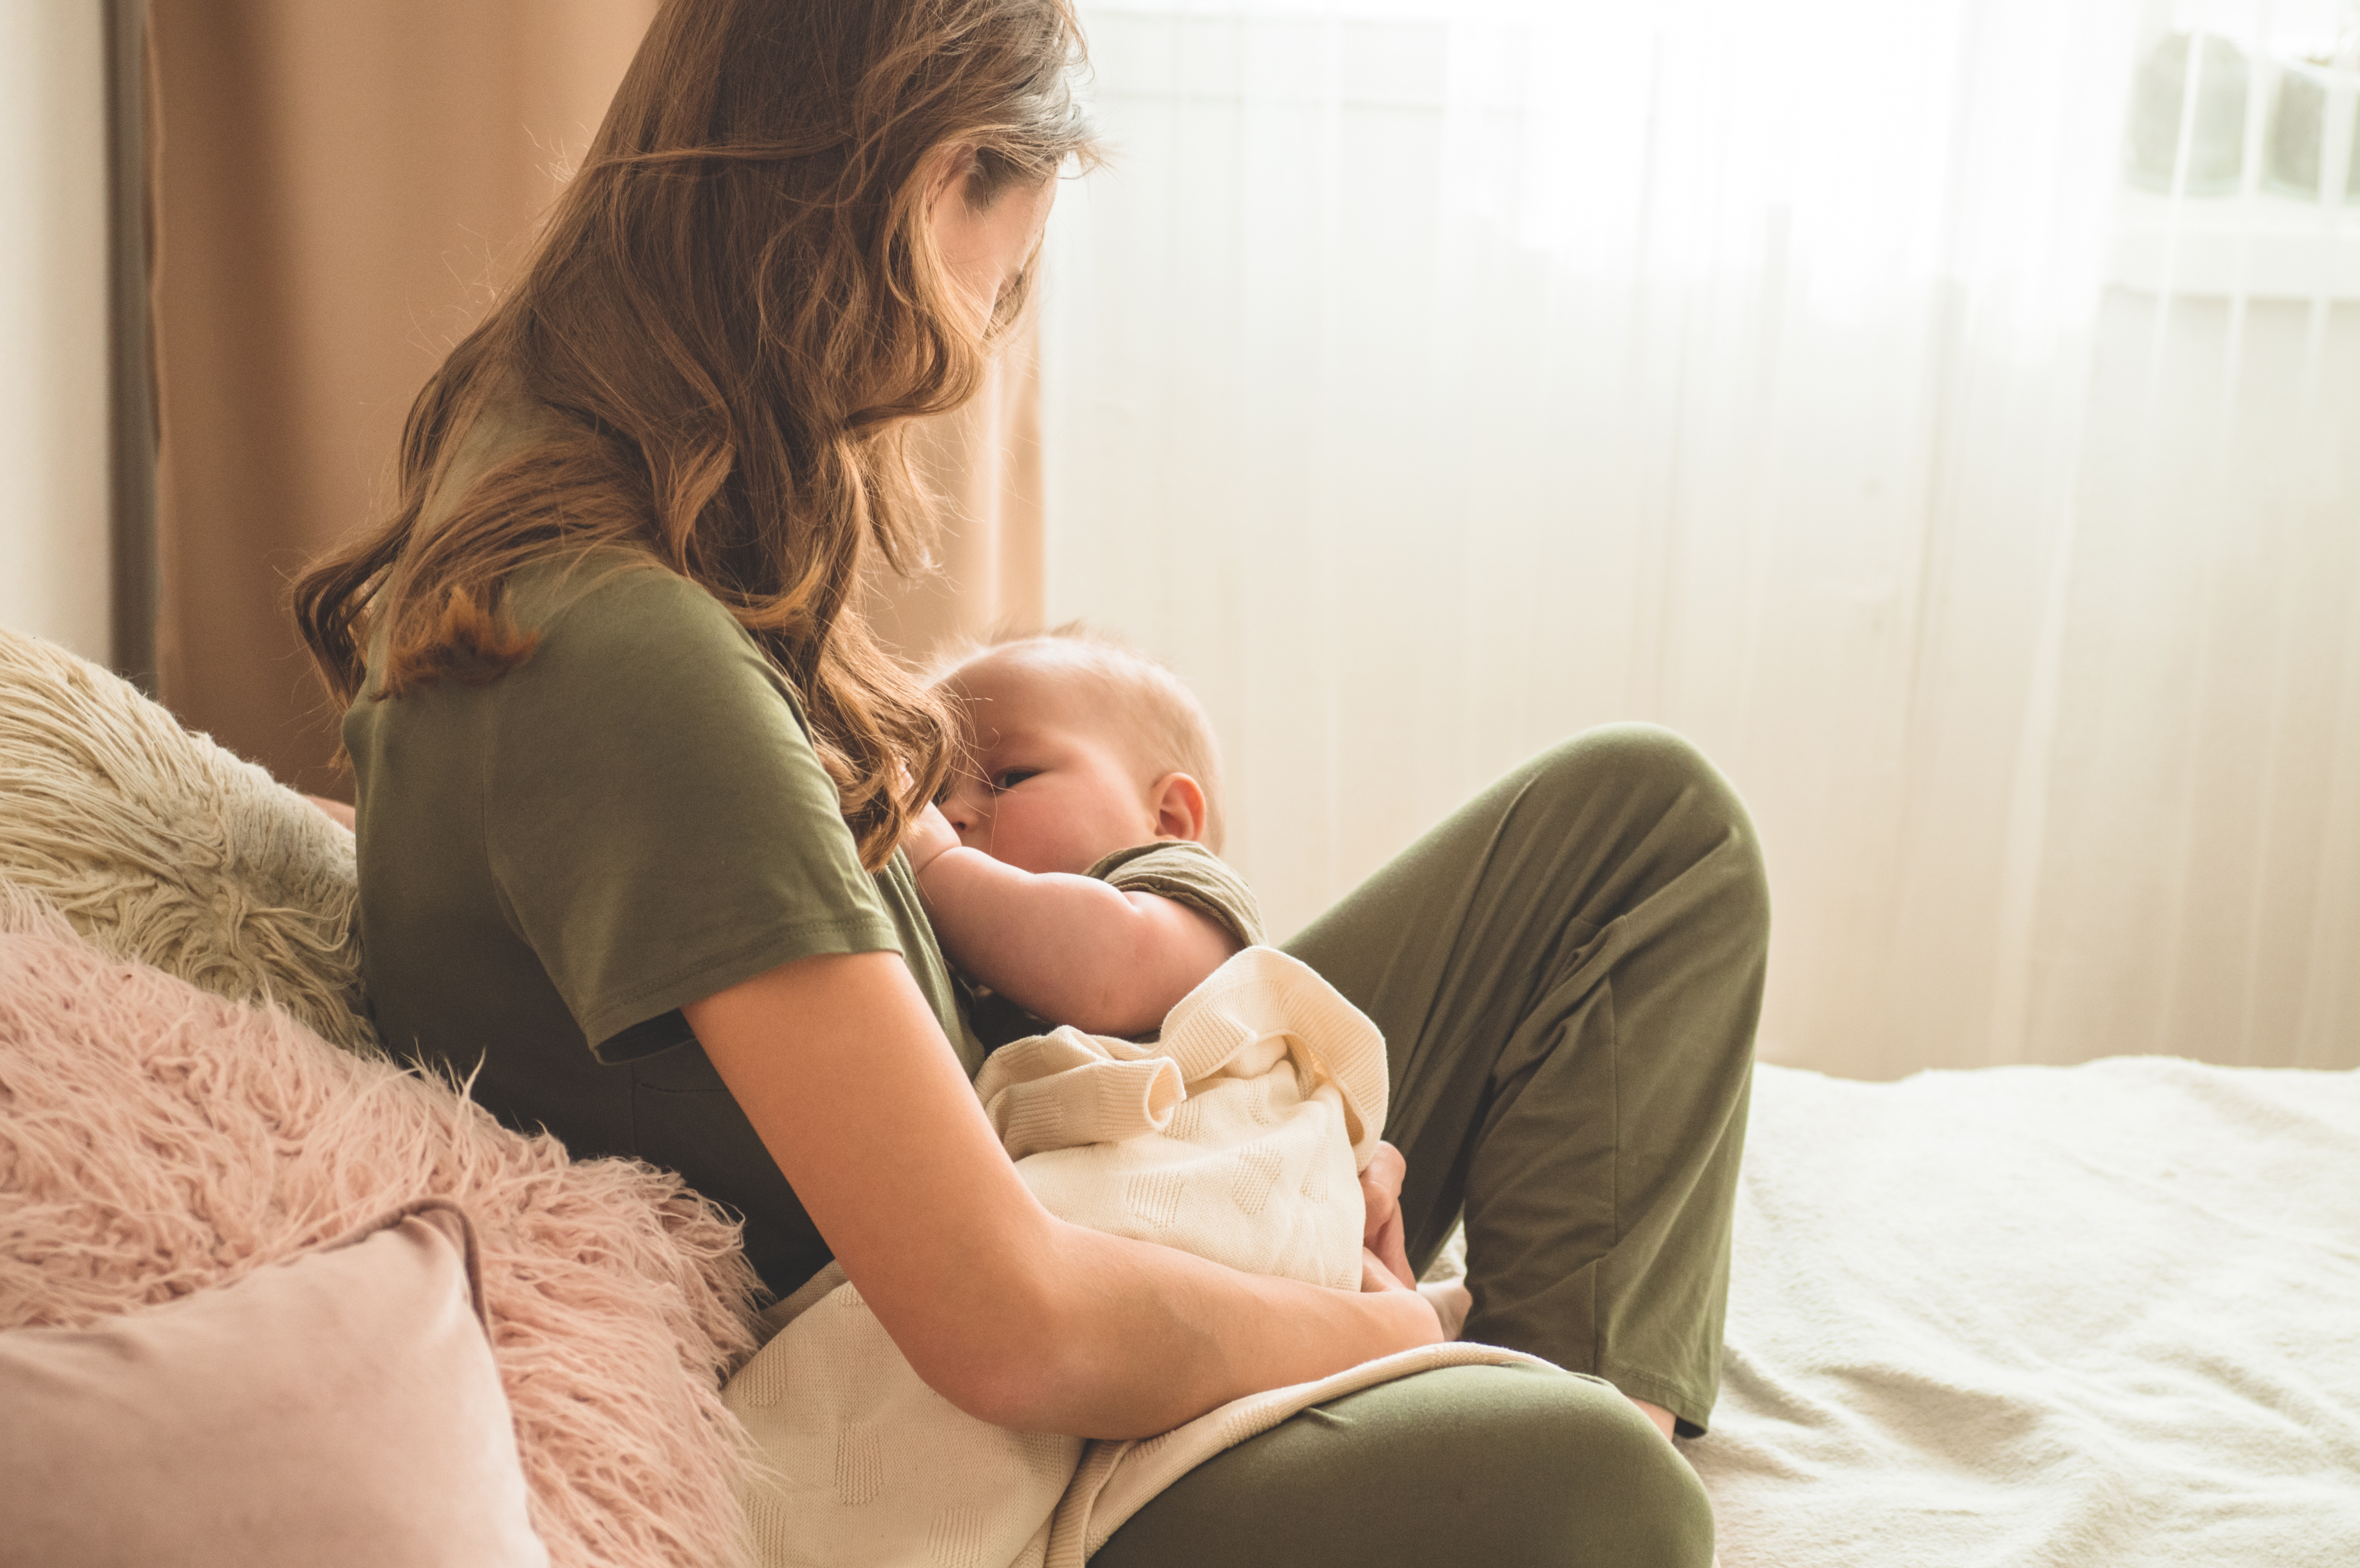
1051, 788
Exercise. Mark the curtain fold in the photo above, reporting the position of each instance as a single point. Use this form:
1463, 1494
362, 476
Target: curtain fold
983, 464
340, 188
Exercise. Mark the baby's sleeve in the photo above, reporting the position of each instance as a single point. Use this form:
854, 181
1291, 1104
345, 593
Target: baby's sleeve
1187, 874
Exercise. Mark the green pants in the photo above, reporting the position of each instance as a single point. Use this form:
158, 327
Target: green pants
1567, 973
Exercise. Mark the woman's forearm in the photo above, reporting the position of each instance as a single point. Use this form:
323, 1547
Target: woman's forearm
1005, 1310
1146, 1337
1071, 948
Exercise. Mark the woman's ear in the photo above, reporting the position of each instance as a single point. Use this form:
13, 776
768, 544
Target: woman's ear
1175, 804
947, 167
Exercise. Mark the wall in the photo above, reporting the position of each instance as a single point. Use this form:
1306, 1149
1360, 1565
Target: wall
53, 345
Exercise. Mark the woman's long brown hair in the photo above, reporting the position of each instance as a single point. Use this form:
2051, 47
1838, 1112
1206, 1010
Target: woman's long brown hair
736, 308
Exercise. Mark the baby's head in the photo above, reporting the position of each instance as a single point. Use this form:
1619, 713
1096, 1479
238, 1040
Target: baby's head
1077, 746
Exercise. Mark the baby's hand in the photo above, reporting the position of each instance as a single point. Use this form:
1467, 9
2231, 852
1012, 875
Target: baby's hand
929, 834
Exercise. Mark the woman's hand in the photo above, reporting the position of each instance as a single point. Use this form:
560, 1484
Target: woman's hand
1380, 1232
929, 834
1384, 1262
1378, 1280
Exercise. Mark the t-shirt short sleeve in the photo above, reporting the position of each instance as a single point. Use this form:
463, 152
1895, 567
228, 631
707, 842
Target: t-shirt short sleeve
658, 825
1186, 874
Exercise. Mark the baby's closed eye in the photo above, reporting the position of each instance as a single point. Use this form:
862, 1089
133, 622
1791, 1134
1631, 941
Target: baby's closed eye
1008, 777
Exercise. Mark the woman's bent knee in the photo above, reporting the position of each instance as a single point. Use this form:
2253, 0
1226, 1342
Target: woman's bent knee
1523, 1464
1640, 762
1653, 784
1629, 1496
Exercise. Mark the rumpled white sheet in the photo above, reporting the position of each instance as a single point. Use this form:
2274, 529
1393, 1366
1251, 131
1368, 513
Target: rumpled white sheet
2105, 1316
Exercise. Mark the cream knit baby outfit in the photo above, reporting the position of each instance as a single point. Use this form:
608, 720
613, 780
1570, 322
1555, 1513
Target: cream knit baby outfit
1237, 1135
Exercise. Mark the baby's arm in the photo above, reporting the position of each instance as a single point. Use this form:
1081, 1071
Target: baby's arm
1070, 949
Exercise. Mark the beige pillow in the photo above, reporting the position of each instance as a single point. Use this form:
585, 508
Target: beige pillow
341, 1407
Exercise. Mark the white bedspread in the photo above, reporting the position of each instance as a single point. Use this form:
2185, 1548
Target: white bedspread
2106, 1316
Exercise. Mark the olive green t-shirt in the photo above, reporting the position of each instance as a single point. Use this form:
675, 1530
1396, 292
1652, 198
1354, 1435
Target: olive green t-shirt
553, 862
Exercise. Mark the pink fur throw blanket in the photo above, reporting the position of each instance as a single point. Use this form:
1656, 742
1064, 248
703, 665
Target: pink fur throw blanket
155, 1139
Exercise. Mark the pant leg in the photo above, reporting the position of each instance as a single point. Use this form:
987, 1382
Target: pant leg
1567, 973
1475, 1464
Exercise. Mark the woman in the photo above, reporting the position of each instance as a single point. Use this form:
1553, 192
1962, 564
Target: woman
633, 777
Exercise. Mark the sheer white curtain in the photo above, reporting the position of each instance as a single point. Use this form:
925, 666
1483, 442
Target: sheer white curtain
1826, 380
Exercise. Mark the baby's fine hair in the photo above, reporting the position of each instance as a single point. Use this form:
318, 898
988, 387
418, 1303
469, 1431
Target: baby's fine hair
1171, 729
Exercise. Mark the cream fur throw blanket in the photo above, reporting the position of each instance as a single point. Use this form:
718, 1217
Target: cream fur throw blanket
158, 845
1239, 1136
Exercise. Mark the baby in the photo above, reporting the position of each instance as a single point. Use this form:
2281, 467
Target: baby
1069, 869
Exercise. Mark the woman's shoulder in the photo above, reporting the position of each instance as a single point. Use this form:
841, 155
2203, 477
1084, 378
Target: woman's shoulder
612, 594
610, 615
619, 640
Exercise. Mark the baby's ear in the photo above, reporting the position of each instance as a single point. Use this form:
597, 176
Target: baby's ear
1175, 804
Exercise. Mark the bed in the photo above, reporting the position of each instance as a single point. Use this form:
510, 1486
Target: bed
2106, 1315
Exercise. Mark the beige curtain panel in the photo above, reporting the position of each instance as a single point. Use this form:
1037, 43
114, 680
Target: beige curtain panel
340, 188
985, 463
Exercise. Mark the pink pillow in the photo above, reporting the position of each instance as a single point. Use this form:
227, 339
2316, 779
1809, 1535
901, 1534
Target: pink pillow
342, 1408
